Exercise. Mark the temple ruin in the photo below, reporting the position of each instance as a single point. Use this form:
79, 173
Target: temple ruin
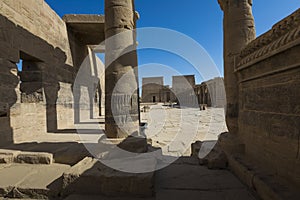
209, 93
42, 157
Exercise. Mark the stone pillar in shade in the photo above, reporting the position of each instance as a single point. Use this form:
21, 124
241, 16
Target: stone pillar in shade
121, 79
239, 30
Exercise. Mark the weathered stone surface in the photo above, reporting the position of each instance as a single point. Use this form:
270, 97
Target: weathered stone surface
35, 16
10, 156
210, 153
239, 31
152, 89
92, 177
122, 119
267, 186
180, 181
89, 28
31, 181
35, 158
134, 144
7, 156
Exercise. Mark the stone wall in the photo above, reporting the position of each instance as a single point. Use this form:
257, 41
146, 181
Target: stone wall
182, 89
269, 114
30, 30
216, 92
37, 17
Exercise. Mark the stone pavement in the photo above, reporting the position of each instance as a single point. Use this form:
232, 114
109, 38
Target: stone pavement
174, 129
184, 179
27, 180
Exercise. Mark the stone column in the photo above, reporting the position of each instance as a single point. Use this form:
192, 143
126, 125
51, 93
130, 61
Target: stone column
239, 30
121, 83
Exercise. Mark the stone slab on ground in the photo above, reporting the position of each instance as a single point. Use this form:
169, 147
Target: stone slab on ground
90, 177
35, 158
68, 153
8, 156
194, 182
12, 156
30, 181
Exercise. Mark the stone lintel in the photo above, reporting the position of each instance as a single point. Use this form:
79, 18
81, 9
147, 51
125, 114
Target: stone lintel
89, 29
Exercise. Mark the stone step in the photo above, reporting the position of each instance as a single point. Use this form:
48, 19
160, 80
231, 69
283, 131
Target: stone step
68, 153
31, 181
12, 156
91, 177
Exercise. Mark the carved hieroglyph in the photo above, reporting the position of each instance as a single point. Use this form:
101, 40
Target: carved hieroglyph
121, 97
239, 31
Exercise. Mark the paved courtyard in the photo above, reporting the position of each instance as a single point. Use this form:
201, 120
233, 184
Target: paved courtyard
175, 129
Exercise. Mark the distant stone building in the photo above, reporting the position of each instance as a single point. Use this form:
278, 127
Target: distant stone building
202, 94
184, 91
152, 89
212, 93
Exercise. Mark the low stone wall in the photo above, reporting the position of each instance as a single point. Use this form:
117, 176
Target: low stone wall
269, 93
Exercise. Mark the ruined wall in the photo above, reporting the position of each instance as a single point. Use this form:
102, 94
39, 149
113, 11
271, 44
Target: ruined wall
30, 30
216, 92
182, 86
269, 93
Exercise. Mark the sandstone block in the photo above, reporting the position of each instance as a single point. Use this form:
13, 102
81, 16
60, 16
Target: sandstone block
210, 154
35, 158
92, 177
8, 156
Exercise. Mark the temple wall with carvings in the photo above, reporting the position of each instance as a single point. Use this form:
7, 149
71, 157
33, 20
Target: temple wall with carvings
269, 106
36, 98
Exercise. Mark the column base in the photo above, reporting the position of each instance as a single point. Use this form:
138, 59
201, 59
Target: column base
130, 144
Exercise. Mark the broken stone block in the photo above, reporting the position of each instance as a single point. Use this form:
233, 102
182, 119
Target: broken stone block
134, 144
200, 149
210, 154
35, 158
92, 177
130, 144
7, 156
217, 160
196, 148
34, 97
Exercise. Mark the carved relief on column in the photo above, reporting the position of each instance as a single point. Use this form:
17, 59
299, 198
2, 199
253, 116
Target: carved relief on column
121, 97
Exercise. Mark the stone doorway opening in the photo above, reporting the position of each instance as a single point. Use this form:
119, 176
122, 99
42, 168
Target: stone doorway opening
154, 99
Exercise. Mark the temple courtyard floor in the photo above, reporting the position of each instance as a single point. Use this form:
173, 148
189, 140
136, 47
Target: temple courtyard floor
48, 159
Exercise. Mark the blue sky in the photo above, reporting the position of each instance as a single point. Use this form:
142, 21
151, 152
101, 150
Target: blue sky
199, 19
